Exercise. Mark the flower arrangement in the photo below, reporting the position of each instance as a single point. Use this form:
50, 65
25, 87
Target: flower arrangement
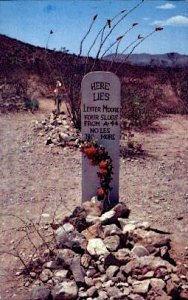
98, 156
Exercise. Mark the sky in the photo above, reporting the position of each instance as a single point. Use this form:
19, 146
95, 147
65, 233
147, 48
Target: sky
31, 21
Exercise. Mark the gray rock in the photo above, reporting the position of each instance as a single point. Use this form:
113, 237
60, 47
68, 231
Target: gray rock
112, 271
91, 272
93, 231
33, 275
64, 136
157, 283
88, 281
108, 283
129, 267
61, 274
152, 262
122, 255
66, 290
77, 270
92, 291
82, 294
39, 293
102, 278
98, 283
126, 291
140, 251
50, 265
86, 260
45, 275
93, 207
129, 228
141, 287
102, 295
114, 292
136, 297
66, 255
72, 260
111, 229
67, 227
96, 247
65, 236
147, 275
112, 242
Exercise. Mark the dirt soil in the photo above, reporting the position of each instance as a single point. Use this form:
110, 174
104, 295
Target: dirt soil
154, 186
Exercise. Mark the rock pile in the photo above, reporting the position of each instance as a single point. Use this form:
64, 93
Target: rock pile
58, 130
102, 256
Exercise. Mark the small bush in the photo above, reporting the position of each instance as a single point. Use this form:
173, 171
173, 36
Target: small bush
32, 104
139, 104
141, 112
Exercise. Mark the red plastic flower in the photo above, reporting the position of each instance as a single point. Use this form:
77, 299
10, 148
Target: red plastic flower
101, 192
103, 164
90, 151
103, 171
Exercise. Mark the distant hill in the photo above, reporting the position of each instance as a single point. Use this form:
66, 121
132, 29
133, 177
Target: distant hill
29, 71
172, 60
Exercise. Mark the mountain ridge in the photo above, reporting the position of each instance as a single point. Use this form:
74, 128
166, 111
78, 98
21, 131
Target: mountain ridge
166, 60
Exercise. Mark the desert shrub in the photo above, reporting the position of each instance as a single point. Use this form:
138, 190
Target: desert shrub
184, 93
140, 111
181, 86
139, 105
31, 104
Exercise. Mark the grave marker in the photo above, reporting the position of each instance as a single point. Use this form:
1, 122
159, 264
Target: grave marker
100, 115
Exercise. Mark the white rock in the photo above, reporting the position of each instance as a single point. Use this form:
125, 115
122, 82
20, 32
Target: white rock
140, 251
107, 216
68, 227
97, 247
61, 274
157, 283
45, 215
112, 271
92, 219
141, 287
129, 228
66, 290
112, 242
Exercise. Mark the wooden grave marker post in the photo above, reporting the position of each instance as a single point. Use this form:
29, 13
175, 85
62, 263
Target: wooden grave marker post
100, 115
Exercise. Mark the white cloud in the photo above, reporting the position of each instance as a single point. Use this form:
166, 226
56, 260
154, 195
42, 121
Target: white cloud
173, 21
166, 6
146, 19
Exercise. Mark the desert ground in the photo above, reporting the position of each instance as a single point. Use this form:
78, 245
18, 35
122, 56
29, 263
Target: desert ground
153, 185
